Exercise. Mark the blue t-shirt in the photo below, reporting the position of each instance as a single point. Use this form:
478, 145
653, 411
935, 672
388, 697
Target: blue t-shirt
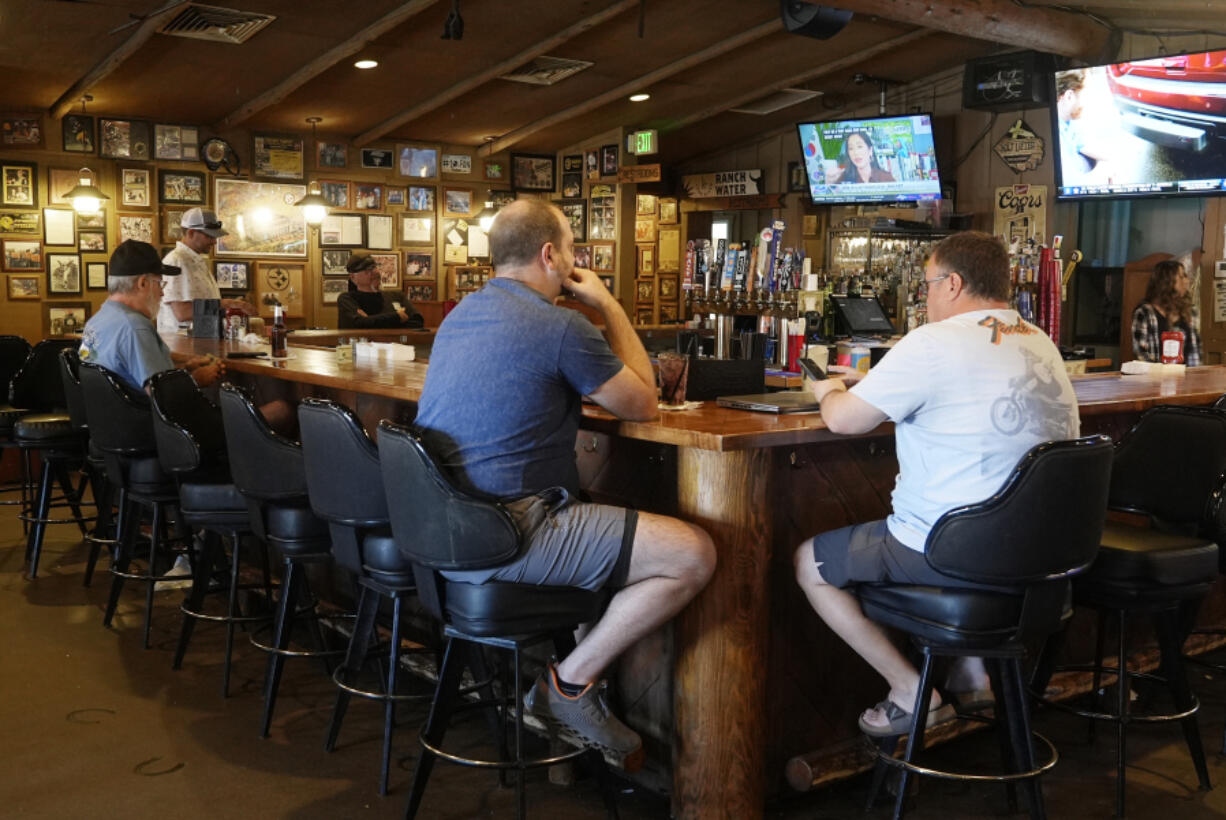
125, 341
500, 406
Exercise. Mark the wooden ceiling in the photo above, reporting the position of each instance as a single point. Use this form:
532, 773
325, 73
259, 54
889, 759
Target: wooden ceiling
697, 59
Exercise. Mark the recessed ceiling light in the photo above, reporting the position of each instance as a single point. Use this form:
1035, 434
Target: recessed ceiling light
366, 64
639, 97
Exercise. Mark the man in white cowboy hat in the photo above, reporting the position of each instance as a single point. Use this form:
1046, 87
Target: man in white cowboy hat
201, 230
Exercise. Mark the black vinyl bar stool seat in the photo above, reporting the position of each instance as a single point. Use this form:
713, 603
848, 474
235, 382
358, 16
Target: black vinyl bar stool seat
192, 448
346, 490
94, 465
121, 425
1169, 469
48, 431
268, 470
440, 527
1024, 543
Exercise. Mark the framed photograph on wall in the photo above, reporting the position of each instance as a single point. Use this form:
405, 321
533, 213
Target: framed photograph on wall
608, 282
494, 169
394, 195
123, 139
421, 198
457, 201
276, 156
134, 188
646, 263
62, 318
331, 154
669, 313
668, 257
91, 241
167, 142
172, 228
63, 273
576, 214
421, 291
274, 226
644, 229
25, 286
591, 164
532, 172
77, 134
21, 131
668, 287
645, 290
645, 204
181, 187
331, 290
21, 222
416, 230
59, 227
232, 275
280, 281
19, 188
342, 231
59, 182
418, 264
95, 275
502, 198
602, 256
572, 164
21, 256
94, 221
333, 261
583, 257
388, 265
572, 185
668, 211
338, 192
608, 160
367, 196
382, 158
417, 161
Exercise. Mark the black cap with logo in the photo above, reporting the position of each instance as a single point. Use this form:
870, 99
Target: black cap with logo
136, 258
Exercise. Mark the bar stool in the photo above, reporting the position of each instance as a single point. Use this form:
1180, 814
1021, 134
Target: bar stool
1168, 468
94, 466
268, 470
192, 448
14, 350
439, 527
1023, 543
48, 432
345, 484
121, 424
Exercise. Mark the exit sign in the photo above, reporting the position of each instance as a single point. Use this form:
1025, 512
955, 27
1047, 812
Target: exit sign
640, 143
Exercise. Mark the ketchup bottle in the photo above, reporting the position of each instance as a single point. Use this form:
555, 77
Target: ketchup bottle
278, 335
1172, 347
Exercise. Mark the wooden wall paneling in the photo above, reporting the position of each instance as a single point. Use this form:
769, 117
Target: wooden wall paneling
1213, 332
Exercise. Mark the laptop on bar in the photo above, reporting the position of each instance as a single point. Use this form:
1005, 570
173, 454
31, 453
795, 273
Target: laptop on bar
785, 401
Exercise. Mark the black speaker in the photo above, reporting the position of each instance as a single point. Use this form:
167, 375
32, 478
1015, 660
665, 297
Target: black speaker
1007, 82
804, 18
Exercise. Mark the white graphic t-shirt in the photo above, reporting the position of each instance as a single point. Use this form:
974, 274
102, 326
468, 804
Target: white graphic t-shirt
968, 396
195, 282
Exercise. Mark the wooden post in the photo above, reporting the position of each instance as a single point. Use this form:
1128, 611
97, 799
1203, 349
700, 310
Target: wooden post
719, 767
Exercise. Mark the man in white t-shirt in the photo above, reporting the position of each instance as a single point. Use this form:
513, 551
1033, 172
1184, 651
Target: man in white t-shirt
969, 393
201, 230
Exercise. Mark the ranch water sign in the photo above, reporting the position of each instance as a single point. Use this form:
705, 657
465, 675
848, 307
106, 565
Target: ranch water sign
1021, 213
723, 183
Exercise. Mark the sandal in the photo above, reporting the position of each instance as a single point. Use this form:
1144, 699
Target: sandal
977, 700
900, 719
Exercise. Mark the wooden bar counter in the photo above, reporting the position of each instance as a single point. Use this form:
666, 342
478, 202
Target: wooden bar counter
755, 678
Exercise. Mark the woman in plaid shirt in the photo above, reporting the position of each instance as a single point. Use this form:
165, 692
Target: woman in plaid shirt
1167, 307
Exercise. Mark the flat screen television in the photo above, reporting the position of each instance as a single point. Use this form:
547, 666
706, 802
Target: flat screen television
1142, 128
877, 159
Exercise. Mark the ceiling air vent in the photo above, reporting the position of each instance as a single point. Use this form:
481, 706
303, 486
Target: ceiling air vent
774, 102
216, 24
546, 71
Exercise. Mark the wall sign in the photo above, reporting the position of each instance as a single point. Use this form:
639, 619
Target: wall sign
1021, 213
723, 183
457, 164
1020, 148
639, 173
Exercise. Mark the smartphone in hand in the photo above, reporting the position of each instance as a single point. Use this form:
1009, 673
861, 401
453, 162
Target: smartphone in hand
811, 369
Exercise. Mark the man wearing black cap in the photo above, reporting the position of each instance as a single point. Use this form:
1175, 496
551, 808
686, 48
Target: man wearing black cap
365, 305
201, 230
121, 336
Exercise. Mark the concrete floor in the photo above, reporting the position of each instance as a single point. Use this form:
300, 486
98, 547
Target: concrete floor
94, 726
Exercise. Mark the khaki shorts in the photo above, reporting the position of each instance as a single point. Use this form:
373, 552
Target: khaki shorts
579, 545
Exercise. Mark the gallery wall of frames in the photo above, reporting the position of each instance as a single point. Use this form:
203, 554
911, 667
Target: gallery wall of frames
414, 204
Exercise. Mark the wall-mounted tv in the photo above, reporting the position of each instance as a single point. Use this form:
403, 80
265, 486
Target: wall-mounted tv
877, 159
1142, 128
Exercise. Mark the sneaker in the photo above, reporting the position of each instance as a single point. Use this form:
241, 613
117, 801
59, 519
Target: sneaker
182, 569
584, 719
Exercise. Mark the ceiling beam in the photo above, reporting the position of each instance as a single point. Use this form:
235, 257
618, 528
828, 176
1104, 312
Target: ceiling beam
1002, 21
637, 84
855, 58
324, 62
112, 61
464, 86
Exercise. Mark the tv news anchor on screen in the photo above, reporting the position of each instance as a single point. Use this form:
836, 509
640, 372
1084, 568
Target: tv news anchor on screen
858, 161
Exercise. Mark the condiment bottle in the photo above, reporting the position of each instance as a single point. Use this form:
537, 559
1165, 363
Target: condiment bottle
278, 335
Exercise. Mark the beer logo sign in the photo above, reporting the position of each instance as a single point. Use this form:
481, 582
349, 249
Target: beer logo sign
1020, 148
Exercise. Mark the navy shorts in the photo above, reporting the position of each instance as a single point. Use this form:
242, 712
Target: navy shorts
869, 554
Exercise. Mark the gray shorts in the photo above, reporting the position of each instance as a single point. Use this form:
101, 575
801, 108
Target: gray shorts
581, 545
869, 554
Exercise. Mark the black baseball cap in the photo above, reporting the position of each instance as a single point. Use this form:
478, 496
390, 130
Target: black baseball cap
136, 258
359, 260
